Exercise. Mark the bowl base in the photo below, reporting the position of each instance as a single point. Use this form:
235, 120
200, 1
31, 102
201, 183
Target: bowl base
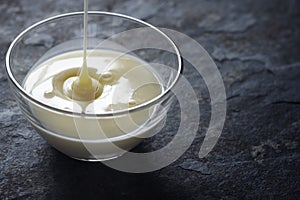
95, 159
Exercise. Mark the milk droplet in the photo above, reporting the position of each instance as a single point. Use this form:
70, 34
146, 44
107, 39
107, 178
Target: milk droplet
49, 94
106, 76
132, 102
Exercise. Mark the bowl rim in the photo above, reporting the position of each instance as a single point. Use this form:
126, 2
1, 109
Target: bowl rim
145, 105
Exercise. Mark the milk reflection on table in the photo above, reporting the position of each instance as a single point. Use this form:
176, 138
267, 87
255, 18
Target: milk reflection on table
126, 82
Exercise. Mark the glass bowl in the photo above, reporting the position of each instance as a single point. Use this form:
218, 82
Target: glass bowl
67, 130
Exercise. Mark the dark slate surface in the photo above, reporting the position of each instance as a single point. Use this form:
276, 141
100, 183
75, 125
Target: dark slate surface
256, 47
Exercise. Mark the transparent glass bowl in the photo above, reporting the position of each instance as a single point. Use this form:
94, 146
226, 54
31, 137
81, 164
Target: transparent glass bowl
112, 31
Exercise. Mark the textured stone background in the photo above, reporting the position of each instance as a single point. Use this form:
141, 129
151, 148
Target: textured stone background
256, 47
